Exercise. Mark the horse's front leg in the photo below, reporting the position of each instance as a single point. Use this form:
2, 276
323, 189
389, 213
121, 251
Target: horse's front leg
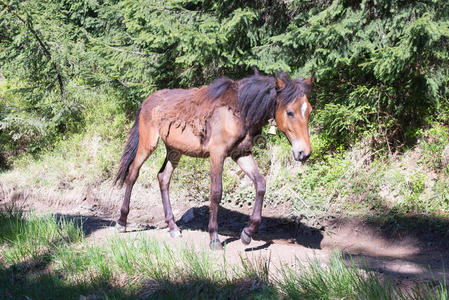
164, 176
216, 170
249, 166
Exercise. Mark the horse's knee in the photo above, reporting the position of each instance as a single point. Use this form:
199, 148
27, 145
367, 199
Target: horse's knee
124, 210
261, 186
162, 180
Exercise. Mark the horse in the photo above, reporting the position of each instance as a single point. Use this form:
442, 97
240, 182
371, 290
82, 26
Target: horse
217, 121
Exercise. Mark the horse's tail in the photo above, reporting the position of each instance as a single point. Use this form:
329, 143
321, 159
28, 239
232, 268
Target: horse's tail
129, 153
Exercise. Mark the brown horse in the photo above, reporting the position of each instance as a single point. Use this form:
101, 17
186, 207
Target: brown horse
215, 121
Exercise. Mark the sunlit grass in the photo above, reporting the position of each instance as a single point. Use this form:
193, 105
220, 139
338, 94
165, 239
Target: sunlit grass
337, 280
32, 237
342, 279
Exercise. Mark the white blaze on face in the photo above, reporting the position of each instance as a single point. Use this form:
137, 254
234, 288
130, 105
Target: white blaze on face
304, 109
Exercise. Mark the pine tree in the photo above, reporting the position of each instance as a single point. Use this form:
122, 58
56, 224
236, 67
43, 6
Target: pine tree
382, 66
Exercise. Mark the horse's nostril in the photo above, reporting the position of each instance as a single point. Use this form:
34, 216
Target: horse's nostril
303, 156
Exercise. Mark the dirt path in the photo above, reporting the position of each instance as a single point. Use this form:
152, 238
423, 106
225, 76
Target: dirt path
410, 257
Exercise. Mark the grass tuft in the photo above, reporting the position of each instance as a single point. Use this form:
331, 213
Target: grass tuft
30, 237
341, 278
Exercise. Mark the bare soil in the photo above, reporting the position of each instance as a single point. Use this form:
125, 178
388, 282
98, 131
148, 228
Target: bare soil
408, 256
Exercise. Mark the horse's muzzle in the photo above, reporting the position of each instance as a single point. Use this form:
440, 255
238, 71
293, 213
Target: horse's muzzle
301, 155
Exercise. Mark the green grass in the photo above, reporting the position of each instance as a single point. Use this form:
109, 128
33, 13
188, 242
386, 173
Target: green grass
142, 267
342, 279
336, 281
31, 238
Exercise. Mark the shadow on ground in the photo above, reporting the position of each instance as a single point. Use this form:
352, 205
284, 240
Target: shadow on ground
415, 267
430, 231
231, 223
415, 246
88, 224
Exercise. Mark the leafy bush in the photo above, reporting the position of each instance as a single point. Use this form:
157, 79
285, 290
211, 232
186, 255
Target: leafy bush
434, 142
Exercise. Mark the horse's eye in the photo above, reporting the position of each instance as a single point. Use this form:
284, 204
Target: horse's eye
290, 113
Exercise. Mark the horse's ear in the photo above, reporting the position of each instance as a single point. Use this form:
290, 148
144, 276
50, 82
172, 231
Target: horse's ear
256, 71
280, 83
310, 80
283, 76
281, 79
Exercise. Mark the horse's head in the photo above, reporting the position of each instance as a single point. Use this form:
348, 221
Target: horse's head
292, 113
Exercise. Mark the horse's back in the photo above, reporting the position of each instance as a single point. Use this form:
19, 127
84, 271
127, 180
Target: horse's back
170, 97
191, 123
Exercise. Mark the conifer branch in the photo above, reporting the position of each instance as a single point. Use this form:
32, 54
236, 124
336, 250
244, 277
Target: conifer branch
43, 45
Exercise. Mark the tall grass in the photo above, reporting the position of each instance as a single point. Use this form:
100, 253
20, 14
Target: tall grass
29, 237
337, 280
342, 279
141, 267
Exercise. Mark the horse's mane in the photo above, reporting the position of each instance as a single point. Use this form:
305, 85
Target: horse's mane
257, 95
257, 99
293, 89
218, 87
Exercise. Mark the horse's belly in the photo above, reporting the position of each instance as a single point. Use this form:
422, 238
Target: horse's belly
182, 140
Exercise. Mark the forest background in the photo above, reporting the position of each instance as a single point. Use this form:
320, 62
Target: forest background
76, 71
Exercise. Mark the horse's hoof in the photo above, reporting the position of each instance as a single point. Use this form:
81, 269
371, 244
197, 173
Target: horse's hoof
175, 233
246, 239
120, 228
215, 245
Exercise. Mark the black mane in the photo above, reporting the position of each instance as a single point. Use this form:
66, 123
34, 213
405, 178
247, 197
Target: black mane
218, 87
257, 95
293, 89
257, 99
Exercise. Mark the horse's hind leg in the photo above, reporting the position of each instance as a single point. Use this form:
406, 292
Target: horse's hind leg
249, 166
164, 176
147, 143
